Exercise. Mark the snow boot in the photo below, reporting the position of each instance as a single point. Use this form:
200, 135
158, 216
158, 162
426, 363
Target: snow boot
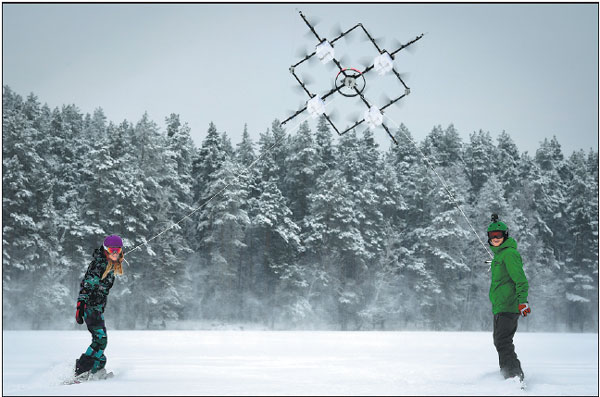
83, 364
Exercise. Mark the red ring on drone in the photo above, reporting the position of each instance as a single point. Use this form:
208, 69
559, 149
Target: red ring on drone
343, 70
354, 88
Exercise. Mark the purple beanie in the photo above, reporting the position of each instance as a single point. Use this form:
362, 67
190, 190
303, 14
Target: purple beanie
113, 241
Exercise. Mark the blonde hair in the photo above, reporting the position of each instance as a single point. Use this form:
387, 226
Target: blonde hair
117, 265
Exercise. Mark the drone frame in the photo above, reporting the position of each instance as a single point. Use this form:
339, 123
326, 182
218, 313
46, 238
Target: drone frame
343, 71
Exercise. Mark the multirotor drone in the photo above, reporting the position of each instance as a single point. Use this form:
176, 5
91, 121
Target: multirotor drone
350, 81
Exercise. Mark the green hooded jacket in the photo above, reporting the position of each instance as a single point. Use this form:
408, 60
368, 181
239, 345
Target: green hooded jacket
509, 285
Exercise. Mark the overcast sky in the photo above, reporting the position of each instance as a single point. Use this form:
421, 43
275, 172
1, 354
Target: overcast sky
529, 69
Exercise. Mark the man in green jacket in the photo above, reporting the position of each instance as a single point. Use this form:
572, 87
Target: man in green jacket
508, 294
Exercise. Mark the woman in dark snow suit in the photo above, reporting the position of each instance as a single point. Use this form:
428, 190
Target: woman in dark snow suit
95, 286
508, 294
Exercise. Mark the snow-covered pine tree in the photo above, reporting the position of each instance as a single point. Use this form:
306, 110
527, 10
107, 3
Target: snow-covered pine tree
50, 297
224, 226
409, 167
383, 295
432, 144
550, 194
581, 265
412, 279
172, 203
324, 147
227, 145
369, 156
244, 152
208, 160
27, 214
359, 159
441, 245
143, 212
480, 155
442, 147
279, 146
277, 279
333, 238
506, 164
302, 164
451, 152
67, 148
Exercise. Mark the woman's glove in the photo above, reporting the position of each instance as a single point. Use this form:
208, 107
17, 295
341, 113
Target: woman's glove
79, 312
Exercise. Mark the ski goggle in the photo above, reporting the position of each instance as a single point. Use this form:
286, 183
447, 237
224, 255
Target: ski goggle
113, 250
496, 234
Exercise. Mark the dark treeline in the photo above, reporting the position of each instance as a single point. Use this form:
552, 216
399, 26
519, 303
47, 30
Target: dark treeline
318, 234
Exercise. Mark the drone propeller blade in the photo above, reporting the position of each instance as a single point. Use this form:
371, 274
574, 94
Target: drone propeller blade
379, 40
384, 101
332, 66
397, 44
353, 117
351, 36
343, 60
307, 79
334, 115
302, 52
366, 38
297, 89
336, 30
394, 45
314, 20
404, 76
309, 35
365, 62
291, 112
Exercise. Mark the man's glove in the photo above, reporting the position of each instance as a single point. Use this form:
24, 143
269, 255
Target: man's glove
524, 309
79, 312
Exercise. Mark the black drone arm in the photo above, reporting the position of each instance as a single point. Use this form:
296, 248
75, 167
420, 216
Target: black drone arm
310, 26
389, 133
303, 60
293, 115
331, 123
371, 38
301, 84
390, 103
407, 44
344, 33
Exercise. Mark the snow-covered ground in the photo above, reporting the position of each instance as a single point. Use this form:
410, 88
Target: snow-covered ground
300, 363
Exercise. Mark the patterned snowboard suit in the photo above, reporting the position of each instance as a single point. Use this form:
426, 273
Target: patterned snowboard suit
94, 292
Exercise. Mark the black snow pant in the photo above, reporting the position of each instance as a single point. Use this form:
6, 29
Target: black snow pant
93, 359
505, 326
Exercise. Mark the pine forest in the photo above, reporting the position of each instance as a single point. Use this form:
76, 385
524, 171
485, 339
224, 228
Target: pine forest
295, 230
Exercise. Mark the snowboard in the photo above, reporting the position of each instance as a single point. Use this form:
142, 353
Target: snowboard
88, 376
518, 381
